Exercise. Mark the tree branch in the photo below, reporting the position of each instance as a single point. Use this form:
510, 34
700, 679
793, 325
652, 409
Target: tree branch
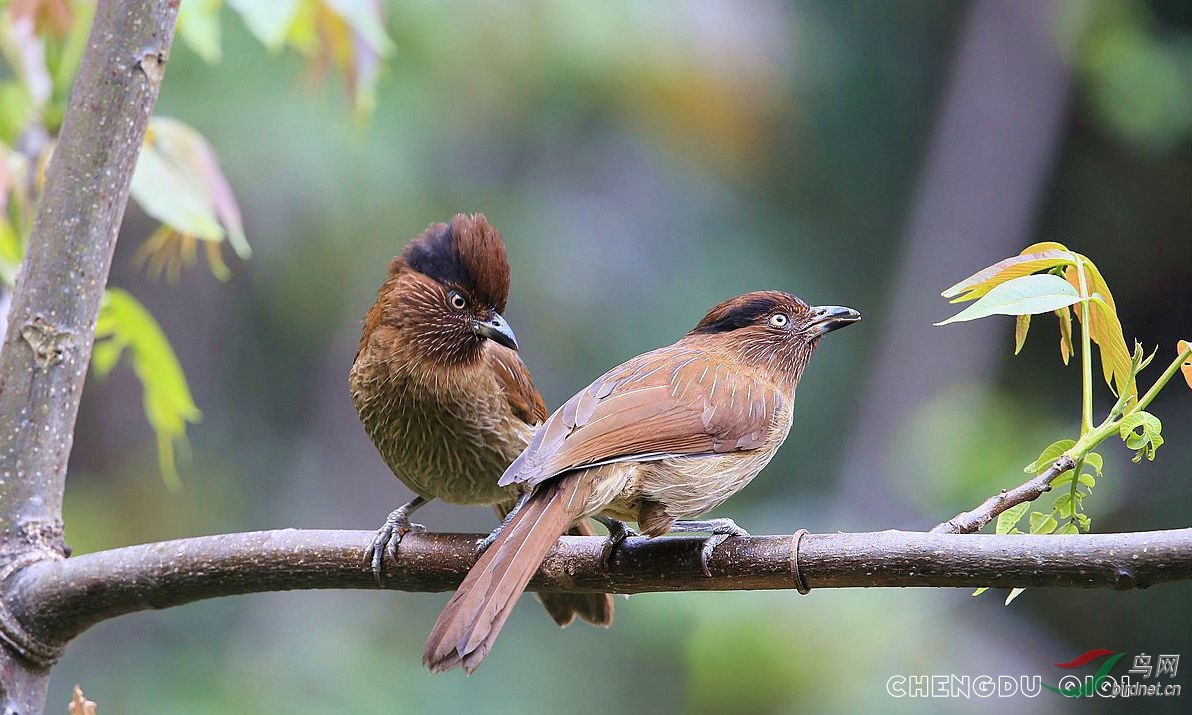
51, 322
54, 601
967, 522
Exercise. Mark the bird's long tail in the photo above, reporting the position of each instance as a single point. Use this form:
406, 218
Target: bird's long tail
466, 629
595, 608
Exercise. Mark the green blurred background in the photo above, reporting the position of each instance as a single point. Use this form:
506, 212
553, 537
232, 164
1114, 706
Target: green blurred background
644, 161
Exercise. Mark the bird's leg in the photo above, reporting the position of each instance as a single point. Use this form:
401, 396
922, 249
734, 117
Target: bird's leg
720, 529
492, 536
618, 531
389, 536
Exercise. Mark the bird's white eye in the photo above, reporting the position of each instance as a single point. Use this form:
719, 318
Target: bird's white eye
779, 320
457, 301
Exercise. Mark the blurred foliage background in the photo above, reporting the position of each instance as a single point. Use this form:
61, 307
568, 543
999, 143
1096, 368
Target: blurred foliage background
644, 161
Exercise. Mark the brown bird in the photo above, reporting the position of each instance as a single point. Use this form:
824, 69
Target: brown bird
665, 436
441, 390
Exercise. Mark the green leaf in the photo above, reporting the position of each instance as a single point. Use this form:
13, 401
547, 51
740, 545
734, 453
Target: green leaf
1063, 505
1021, 325
1014, 593
198, 26
1033, 259
268, 20
1042, 523
1021, 296
1141, 431
1063, 480
16, 108
1095, 461
1068, 528
1008, 518
1085, 521
125, 324
1088, 480
1049, 454
980, 591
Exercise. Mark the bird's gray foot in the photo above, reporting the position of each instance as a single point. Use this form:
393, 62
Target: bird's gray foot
487, 541
389, 536
720, 529
618, 531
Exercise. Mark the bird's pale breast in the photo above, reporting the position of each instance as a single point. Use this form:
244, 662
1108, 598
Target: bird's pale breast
686, 486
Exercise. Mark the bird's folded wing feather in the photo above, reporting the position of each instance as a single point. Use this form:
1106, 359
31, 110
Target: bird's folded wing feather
512, 375
675, 400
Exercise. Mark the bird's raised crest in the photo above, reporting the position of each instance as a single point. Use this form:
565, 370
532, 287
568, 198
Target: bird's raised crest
467, 253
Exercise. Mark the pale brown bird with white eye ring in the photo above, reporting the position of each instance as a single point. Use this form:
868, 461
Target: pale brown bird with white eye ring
666, 436
440, 388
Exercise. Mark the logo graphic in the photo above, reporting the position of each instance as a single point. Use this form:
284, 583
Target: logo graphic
1090, 686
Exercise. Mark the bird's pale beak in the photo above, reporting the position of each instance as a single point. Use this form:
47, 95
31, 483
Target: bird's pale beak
496, 330
826, 318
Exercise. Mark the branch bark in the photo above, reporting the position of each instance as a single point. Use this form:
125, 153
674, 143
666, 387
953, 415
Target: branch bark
51, 322
55, 601
967, 522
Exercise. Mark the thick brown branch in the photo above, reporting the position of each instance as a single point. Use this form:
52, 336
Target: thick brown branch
55, 601
55, 303
51, 320
967, 522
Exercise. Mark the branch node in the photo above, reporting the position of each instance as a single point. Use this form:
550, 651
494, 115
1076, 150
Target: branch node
152, 63
800, 581
12, 633
1125, 580
50, 343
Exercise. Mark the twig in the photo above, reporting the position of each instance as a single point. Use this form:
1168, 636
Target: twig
968, 522
54, 601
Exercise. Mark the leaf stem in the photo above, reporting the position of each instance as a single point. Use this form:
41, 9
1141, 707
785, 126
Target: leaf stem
1086, 353
1169, 373
1072, 489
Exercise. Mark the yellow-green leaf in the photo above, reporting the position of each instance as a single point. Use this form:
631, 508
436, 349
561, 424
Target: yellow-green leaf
125, 324
1185, 349
1146, 439
1020, 296
1066, 349
268, 20
198, 26
1007, 520
1049, 454
1042, 523
1104, 327
1021, 325
1033, 259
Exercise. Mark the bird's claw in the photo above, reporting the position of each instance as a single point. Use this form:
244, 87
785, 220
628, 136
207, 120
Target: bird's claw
487, 541
618, 531
387, 540
721, 529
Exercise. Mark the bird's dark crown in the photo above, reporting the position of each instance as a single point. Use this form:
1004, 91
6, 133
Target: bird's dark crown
748, 309
467, 254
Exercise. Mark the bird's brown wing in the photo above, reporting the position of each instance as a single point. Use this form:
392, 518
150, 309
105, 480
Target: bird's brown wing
677, 400
514, 377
